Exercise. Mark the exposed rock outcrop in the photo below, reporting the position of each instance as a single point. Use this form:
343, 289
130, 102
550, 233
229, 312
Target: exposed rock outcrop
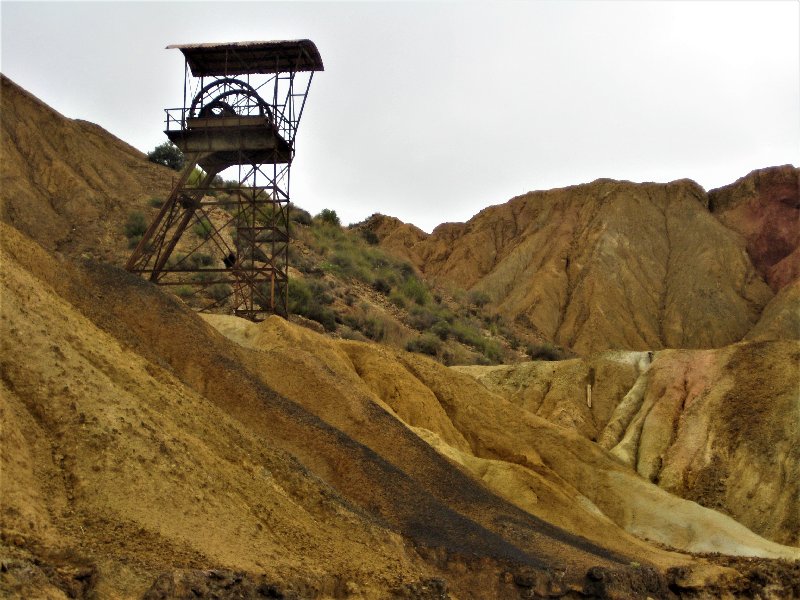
764, 207
605, 265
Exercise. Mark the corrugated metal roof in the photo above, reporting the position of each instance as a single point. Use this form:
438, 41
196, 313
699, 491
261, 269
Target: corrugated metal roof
241, 58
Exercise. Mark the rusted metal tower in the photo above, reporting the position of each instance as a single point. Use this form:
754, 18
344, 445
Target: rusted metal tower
226, 243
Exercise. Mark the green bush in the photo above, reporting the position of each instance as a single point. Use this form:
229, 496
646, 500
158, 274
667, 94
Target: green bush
427, 343
203, 228
156, 202
381, 286
466, 334
422, 318
167, 154
303, 302
319, 292
479, 298
323, 315
492, 351
370, 237
416, 291
441, 329
344, 261
397, 299
374, 328
220, 291
544, 352
202, 260
203, 277
351, 334
300, 216
299, 296
329, 217
136, 225
407, 269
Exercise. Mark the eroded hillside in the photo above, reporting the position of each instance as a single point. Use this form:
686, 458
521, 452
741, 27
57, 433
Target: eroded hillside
150, 452
619, 265
140, 441
68, 183
719, 427
83, 193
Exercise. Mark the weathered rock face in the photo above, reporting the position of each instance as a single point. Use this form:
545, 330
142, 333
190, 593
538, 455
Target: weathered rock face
605, 265
69, 184
720, 427
764, 207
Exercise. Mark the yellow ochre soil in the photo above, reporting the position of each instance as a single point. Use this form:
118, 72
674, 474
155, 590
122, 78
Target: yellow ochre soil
150, 452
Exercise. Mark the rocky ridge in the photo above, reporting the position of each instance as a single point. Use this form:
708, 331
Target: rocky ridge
620, 265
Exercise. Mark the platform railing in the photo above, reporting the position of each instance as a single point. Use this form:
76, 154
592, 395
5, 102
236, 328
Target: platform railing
176, 121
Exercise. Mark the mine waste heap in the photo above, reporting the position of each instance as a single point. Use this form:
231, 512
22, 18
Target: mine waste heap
227, 244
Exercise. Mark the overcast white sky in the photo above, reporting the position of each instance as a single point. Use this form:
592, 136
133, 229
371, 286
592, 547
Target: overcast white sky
431, 111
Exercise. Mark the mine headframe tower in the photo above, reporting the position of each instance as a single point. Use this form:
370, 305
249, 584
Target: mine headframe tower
225, 244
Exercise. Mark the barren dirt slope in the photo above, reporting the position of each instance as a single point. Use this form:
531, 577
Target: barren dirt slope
114, 469
137, 441
604, 265
69, 184
431, 399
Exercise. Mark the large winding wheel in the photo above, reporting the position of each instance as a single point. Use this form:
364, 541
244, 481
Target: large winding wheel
228, 98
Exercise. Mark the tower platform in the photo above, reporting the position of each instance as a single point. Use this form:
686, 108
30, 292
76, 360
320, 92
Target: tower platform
223, 141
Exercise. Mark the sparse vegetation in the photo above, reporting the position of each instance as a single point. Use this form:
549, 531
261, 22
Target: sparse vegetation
135, 225
544, 352
370, 237
220, 291
427, 343
302, 301
300, 216
479, 298
354, 288
203, 228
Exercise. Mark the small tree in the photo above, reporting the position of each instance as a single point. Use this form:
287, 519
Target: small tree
329, 217
167, 154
